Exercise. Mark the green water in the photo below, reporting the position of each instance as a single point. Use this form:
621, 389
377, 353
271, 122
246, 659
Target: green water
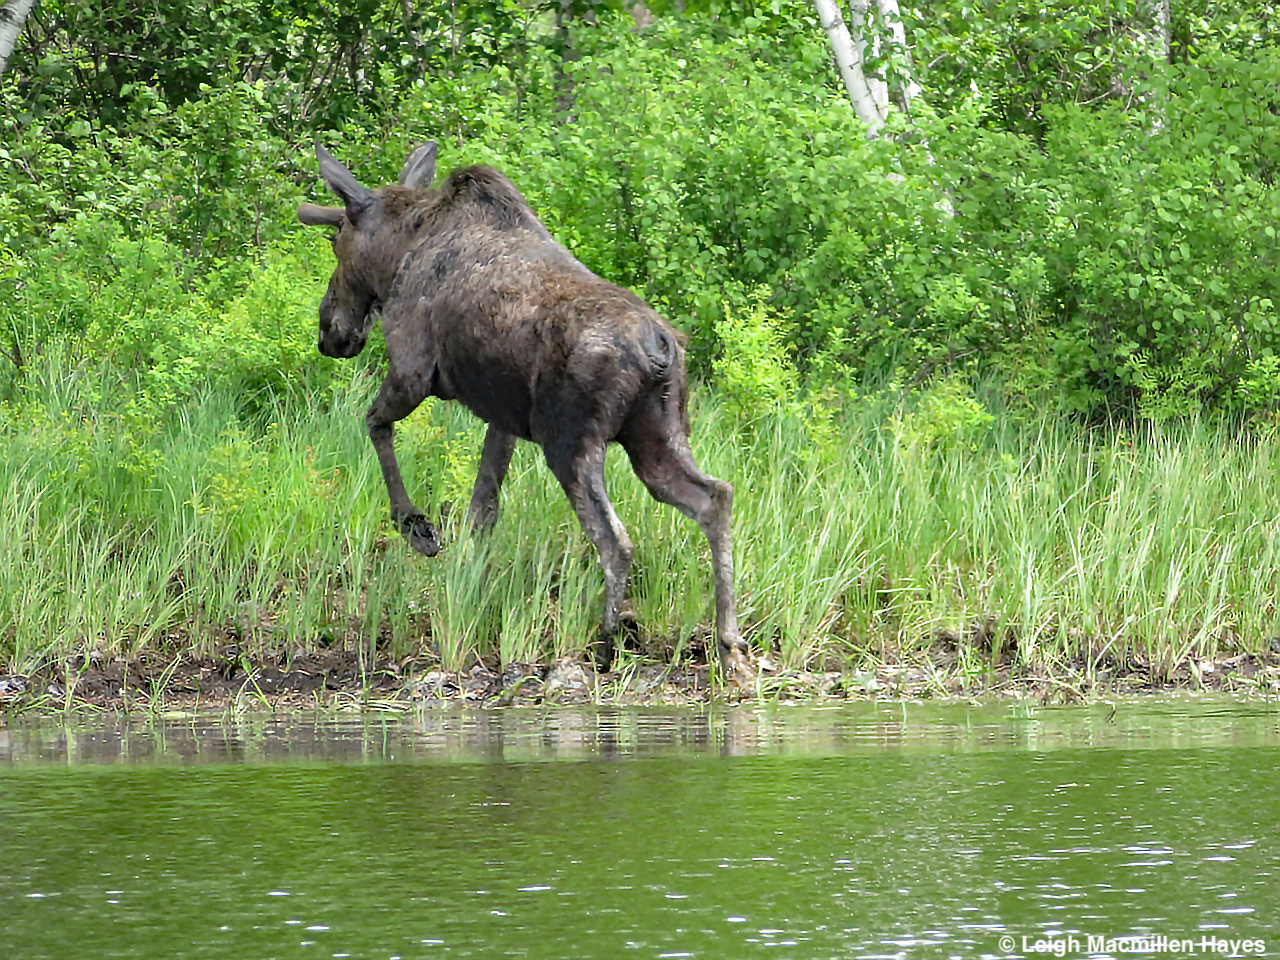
867, 831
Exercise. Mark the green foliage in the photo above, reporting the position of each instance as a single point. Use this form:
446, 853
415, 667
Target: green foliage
265, 336
204, 176
1060, 213
945, 415
752, 368
318, 65
101, 301
1015, 63
1171, 249
904, 517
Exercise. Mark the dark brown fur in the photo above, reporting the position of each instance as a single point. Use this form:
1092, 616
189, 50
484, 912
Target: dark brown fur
481, 305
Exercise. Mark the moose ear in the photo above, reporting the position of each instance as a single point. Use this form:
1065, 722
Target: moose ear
342, 182
420, 169
314, 215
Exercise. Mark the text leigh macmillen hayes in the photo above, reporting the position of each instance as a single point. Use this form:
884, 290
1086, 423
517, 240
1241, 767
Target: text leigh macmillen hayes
1210, 946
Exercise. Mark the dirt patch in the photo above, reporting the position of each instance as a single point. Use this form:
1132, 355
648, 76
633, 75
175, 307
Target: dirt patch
342, 679
225, 679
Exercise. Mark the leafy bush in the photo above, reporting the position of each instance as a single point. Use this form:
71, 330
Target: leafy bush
752, 367
1072, 250
945, 415
101, 297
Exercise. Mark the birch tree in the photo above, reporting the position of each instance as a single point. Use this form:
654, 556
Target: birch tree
1160, 33
862, 39
869, 92
12, 16
891, 23
849, 61
1150, 38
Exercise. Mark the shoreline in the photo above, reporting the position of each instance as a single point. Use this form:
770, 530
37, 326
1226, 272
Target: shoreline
338, 680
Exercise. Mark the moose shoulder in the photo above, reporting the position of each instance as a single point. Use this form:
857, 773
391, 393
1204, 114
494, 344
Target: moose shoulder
481, 305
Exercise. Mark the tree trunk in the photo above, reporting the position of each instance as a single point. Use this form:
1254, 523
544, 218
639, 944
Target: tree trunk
641, 14
849, 61
1160, 33
12, 16
905, 82
858, 10
1153, 38
563, 82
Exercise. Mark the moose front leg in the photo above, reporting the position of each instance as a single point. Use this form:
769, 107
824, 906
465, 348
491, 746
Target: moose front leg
396, 400
495, 458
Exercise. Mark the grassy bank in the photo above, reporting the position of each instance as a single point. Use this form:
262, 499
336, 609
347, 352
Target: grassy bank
868, 529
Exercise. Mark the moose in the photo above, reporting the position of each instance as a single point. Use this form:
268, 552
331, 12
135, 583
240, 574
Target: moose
479, 304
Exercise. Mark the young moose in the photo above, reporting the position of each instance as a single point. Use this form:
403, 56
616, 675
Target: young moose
481, 305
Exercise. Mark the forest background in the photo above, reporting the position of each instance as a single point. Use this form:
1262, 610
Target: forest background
995, 375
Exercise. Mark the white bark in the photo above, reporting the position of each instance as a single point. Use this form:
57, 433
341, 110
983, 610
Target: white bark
868, 94
1154, 43
849, 61
12, 16
1161, 33
858, 26
891, 18
640, 14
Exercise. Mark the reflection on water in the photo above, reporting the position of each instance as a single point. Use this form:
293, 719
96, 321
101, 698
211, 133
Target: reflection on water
872, 830
453, 733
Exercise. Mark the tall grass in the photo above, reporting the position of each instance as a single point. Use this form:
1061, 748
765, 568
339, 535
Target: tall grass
864, 531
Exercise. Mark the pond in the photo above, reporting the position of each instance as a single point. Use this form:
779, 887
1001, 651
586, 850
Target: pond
866, 830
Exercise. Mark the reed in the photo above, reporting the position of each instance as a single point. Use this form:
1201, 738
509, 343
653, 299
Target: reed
867, 529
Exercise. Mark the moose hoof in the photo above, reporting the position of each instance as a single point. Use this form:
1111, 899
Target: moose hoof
422, 536
603, 652
736, 662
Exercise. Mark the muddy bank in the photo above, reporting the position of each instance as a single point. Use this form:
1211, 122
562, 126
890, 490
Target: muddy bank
341, 679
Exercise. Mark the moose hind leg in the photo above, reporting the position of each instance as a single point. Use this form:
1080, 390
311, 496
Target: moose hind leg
663, 461
395, 401
582, 477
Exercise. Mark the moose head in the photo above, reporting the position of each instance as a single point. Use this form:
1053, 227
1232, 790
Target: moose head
367, 255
